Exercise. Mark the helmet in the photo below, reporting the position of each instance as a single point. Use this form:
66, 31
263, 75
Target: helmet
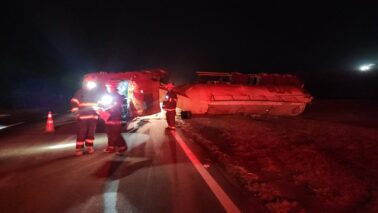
89, 83
169, 85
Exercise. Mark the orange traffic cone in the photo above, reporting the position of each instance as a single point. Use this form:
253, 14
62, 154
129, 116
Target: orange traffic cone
50, 123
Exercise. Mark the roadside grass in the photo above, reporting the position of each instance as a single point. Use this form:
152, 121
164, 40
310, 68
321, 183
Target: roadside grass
321, 161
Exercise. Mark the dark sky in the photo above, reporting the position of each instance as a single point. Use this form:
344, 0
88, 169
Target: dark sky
53, 44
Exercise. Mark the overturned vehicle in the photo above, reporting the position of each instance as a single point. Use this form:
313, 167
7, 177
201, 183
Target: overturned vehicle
140, 90
231, 93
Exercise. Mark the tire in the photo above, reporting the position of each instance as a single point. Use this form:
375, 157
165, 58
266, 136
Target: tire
186, 114
297, 110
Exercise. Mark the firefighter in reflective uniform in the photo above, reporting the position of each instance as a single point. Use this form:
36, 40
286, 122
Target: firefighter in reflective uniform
83, 103
111, 113
169, 104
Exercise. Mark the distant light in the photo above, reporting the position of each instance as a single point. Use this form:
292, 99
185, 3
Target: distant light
366, 67
91, 84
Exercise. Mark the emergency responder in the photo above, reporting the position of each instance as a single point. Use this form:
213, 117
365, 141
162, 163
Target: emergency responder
169, 104
83, 103
111, 113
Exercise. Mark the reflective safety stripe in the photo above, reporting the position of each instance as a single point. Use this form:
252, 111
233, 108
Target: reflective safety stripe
84, 117
170, 109
80, 143
87, 104
172, 99
75, 100
89, 141
113, 122
75, 109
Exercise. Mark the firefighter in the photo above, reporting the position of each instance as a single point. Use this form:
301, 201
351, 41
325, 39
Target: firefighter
111, 113
83, 106
169, 104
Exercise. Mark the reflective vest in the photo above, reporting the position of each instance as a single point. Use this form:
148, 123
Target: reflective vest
170, 101
116, 109
84, 102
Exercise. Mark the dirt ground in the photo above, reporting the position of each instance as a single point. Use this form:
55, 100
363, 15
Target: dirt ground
325, 160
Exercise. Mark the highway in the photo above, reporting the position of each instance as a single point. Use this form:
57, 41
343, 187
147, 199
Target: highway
39, 172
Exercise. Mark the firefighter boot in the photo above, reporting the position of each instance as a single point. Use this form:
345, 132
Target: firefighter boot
109, 149
121, 150
90, 150
78, 152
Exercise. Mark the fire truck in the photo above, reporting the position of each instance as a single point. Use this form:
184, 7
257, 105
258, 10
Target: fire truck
233, 93
140, 89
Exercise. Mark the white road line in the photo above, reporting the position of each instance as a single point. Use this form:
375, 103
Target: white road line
221, 195
5, 115
7, 126
110, 196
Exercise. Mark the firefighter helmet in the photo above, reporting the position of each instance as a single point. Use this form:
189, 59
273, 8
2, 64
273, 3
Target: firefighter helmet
170, 85
89, 83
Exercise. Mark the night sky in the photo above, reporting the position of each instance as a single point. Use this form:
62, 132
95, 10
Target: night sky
47, 47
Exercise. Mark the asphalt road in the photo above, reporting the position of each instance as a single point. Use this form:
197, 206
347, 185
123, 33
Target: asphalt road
39, 173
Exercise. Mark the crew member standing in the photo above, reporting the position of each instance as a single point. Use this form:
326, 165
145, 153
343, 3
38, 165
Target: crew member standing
112, 115
83, 103
169, 104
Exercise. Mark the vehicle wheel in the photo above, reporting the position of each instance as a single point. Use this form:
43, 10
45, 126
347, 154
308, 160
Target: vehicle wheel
297, 110
186, 114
